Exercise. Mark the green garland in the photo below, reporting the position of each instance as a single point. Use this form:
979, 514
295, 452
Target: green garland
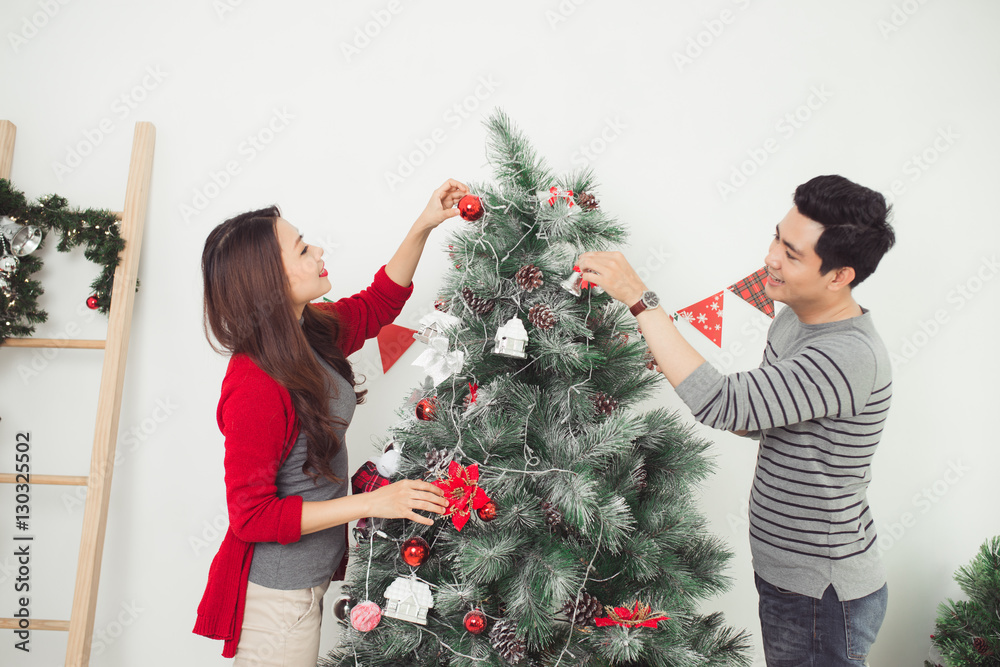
97, 228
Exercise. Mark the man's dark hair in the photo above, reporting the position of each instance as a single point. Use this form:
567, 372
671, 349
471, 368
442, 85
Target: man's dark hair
856, 223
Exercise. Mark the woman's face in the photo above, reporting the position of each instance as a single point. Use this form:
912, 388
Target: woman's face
307, 276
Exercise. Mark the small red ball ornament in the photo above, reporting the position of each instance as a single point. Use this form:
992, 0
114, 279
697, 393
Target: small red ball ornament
488, 512
475, 621
470, 207
92, 302
426, 408
415, 551
366, 616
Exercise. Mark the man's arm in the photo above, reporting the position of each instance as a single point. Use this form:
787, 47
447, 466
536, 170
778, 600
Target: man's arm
676, 357
832, 380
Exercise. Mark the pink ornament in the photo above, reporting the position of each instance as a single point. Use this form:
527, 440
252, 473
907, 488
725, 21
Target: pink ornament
366, 616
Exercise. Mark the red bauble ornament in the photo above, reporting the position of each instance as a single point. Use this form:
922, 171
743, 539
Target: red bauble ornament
470, 207
92, 302
475, 621
415, 551
488, 512
365, 616
426, 408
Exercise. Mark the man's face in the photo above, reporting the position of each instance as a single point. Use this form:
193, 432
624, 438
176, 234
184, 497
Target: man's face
793, 275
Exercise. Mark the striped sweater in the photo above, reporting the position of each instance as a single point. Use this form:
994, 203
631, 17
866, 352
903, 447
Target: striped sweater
818, 404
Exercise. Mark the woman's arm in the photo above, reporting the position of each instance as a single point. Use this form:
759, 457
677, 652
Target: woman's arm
393, 501
440, 207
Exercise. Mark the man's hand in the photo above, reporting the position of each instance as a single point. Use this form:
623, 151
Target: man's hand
614, 274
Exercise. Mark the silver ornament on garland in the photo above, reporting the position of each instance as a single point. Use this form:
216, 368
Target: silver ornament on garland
8, 262
23, 239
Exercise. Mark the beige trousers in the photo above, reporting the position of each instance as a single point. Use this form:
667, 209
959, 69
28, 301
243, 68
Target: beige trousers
280, 628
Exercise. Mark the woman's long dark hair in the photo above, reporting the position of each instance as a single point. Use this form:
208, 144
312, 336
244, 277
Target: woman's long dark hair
248, 309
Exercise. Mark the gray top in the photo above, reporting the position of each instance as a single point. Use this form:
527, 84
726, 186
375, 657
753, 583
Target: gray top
818, 404
314, 558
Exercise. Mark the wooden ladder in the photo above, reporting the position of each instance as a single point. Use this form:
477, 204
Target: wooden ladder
98, 483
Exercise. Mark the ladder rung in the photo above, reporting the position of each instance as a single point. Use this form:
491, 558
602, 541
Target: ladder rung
54, 342
33, 624
62, 480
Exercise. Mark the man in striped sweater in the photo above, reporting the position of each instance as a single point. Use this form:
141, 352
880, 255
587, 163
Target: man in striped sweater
817, 404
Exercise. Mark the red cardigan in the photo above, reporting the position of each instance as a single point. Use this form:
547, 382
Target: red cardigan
256, 416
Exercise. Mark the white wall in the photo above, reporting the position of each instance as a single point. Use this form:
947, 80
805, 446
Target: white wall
894, 76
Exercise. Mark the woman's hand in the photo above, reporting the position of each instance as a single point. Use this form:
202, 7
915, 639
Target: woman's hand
399, 500
403, 264
442, 204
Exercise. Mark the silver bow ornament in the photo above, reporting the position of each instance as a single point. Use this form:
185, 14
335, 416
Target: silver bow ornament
438, 362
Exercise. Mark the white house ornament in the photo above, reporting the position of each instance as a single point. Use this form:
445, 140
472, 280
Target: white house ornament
511, 339
434, 324
408, 600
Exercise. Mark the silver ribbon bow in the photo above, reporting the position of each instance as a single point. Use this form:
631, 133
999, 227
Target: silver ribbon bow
438, 362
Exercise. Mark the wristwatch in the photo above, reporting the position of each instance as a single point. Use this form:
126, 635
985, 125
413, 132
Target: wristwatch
648, 301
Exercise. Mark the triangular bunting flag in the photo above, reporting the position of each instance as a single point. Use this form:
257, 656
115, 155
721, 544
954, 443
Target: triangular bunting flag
706, 317
393, 341
751, 290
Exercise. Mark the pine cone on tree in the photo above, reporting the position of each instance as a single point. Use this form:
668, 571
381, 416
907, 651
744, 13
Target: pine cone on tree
504, 639
604, 404
437, 460
553, 517
529, 277
587, 201
640, 479
478, 305
542, 316
982, 646
650, 361
583, 610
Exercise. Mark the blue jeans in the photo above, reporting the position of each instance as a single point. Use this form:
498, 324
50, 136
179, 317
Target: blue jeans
800, 631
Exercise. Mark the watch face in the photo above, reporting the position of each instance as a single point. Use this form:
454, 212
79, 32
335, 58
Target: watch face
650, 299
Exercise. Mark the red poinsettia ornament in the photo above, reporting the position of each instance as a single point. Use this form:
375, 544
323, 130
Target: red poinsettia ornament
642, 616
461, 489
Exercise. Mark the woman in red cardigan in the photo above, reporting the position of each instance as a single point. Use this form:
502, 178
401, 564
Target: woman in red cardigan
287, 399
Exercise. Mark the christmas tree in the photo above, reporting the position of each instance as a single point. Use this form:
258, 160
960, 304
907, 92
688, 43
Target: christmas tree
573, 537
968, 631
